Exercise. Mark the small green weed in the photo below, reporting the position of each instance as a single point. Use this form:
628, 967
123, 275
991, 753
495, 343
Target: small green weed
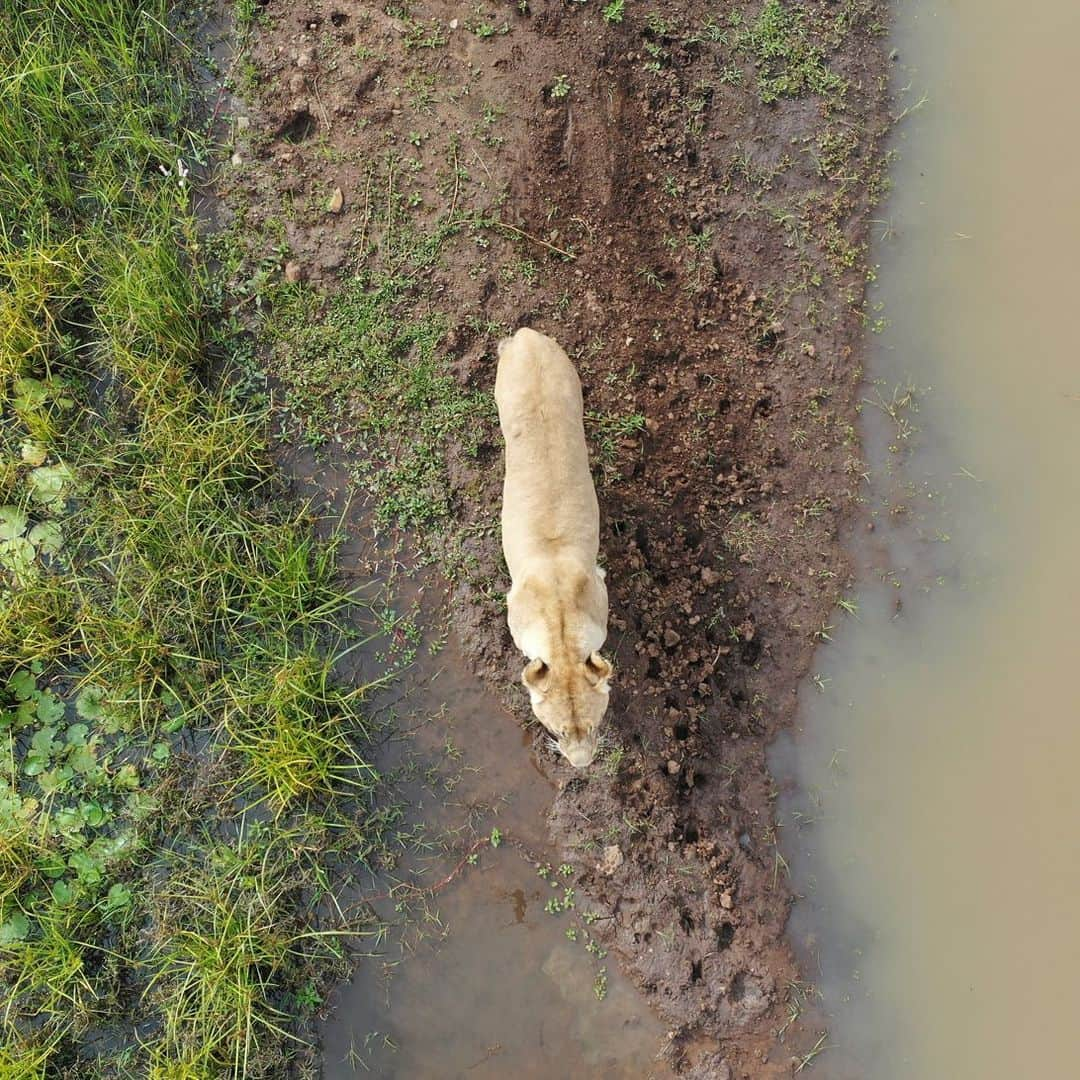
613, 12
606, 430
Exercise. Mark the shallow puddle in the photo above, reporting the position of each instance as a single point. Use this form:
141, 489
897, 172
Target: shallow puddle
930, 802
489, 983
505, 994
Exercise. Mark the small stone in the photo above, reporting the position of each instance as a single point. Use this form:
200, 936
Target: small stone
337, 201
292, 272
744, 841
671, 638
453, 24
236, 160
710, 576
672, 767
303, 60
243, 123
726, 901
296, 82
651, 426
610, 861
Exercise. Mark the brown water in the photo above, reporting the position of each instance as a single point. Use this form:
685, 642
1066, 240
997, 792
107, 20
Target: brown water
933, 819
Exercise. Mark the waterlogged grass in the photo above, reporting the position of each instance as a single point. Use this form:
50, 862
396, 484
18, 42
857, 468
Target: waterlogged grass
175, 754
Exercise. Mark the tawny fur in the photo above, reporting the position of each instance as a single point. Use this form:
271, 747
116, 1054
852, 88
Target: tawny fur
557, 604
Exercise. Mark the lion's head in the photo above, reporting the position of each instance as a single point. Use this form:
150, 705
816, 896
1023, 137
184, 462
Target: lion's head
570, 699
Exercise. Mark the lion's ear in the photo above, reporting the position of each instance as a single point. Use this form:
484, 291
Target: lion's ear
598, 669
535, 675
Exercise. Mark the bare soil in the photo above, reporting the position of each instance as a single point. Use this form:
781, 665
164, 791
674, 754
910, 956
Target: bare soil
714, 304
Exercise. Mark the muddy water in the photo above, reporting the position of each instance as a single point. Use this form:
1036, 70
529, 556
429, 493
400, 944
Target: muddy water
488, 983
931, 795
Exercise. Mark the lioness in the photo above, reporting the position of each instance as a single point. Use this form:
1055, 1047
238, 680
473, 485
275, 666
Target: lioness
557, 604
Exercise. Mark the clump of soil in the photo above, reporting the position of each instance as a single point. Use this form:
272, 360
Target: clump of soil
682, 202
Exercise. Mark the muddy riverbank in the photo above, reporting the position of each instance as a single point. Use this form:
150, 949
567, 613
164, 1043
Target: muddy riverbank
682, 200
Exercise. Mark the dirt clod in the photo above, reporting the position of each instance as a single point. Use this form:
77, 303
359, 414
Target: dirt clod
611, 861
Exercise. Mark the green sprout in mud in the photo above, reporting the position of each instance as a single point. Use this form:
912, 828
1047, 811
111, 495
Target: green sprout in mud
711, 32
659, 56
651, 277
308, 998
613, 12
561, 87
700, 242
484, 29
419, 36
658, 25
557, 905
600, 984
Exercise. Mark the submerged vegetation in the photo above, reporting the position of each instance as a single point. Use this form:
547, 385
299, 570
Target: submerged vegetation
177, 756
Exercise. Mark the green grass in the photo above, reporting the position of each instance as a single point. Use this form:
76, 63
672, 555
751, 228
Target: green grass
605, 430
157, 596
220, 949
364, 365
364, 361
788, 59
